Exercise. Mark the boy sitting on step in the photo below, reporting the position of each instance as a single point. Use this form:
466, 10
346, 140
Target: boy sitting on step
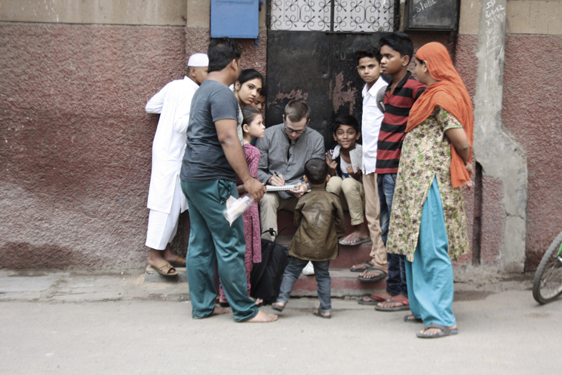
319, 223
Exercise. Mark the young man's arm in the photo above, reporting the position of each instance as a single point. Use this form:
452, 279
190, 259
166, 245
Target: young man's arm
228, 137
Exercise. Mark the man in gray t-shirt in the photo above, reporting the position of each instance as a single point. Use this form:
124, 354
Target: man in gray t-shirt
213, 157
204, 158
284, 149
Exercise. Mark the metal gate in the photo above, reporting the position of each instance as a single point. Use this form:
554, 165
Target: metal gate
310, 54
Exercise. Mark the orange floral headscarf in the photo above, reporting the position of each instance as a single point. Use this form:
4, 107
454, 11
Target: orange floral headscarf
449, 93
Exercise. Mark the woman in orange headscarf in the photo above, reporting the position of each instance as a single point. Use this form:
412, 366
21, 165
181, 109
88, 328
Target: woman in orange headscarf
428, 225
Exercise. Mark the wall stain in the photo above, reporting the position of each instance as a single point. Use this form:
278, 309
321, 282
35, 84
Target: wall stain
342, 95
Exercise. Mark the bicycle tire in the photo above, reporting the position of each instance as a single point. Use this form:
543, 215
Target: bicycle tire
547, 285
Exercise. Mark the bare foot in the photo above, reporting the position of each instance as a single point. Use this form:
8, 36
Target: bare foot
371, 274
259, 301
220, 310
262, 317
360, 230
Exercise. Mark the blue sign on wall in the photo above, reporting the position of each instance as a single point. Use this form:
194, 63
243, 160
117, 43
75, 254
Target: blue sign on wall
235, 19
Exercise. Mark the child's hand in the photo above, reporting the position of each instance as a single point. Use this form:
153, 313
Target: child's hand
352, 173
300, 190
332, 165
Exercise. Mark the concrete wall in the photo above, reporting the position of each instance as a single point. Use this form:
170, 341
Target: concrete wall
76, 142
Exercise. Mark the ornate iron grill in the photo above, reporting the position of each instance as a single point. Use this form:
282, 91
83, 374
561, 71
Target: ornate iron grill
367, 16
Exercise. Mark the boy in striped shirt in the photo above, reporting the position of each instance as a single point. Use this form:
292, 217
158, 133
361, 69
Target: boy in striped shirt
397, 50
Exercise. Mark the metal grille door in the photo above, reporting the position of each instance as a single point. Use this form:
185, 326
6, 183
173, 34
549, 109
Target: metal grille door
310, 55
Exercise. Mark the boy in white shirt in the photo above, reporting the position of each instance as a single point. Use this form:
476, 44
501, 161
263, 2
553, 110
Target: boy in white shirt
368, 67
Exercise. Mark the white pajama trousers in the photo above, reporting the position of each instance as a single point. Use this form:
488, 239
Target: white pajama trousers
162, 227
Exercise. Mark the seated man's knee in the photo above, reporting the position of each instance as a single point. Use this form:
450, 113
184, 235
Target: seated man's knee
334, 185
269, 200
349, 184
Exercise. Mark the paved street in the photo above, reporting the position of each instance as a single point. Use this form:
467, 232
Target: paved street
72, 323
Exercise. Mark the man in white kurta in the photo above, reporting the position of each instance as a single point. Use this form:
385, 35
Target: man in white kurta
165, 198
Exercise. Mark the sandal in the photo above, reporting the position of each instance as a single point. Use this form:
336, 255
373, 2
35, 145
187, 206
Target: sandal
366, 264
179, 262
445, 331
278, 306
165, 269
412, 319
357, 240
382, 275
405, 305
374, 299
322, 315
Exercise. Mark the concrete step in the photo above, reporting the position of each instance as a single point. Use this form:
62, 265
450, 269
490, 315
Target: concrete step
348, 256
344, 283
151, 276
285, 220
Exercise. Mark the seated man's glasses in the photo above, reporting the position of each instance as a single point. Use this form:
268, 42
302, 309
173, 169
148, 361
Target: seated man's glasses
290, 131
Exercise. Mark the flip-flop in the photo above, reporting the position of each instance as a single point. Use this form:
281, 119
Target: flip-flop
383, 275
164, 269
415, 320
277, 307
366, 264
319, 314
445, 331
179, 262
355, 243
405, 305
374, 300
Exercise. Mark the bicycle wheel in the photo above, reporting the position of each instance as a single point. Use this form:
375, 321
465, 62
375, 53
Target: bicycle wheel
548, 279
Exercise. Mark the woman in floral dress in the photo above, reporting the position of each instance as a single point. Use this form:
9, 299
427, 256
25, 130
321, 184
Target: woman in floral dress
428, 225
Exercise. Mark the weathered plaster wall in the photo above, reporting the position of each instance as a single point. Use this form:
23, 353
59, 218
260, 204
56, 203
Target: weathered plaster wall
531, 113
76, 142
115, 12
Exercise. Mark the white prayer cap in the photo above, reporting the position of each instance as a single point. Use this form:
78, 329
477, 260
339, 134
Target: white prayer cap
198, 59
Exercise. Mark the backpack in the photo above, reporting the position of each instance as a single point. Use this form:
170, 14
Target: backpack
266, 276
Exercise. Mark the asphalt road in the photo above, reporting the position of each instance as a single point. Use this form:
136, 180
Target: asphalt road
504, 332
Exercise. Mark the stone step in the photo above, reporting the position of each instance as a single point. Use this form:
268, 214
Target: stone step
344, 283
151, 276
348, 256
285, 220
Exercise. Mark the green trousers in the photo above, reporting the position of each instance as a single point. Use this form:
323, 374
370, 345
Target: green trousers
213, 240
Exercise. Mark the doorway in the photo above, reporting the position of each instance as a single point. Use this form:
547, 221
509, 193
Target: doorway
310, 55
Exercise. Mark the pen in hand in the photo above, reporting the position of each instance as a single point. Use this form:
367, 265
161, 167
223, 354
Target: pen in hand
282, 181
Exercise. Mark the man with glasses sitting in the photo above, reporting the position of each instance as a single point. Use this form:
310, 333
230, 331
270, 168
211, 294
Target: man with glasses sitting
284, 149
